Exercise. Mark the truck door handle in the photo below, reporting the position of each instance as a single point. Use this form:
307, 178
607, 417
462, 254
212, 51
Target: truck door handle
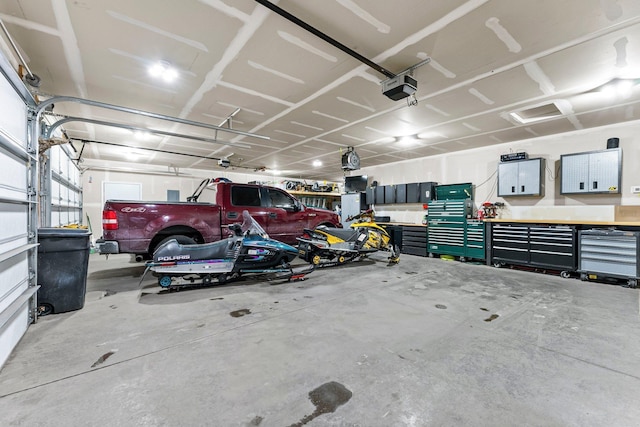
232, 215
272, 215
312, 214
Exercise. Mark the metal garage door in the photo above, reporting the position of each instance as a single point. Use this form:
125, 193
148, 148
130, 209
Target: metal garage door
18, 211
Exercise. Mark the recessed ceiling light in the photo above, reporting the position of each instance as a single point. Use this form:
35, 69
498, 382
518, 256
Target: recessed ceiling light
275, 172
164, 71
618, 87
142, 135
407, 140
317, 163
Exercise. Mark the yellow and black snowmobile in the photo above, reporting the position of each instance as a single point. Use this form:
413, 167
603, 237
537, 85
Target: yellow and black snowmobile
327, 246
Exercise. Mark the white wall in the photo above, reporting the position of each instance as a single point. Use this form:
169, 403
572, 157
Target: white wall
478, 165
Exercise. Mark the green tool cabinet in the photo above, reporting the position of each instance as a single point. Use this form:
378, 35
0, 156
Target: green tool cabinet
451, 229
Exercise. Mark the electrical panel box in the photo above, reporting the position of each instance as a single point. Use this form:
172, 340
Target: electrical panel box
521, 178
591, 172
352, 204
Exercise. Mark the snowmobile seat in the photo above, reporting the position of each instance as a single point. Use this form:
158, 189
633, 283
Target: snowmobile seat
174, 251
348, 235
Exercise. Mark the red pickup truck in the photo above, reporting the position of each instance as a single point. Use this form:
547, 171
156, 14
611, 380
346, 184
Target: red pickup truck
139, 227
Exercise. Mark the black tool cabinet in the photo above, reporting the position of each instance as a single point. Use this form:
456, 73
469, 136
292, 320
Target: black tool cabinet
547, 246
414, 240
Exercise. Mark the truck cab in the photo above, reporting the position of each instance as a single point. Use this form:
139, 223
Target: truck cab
283, 216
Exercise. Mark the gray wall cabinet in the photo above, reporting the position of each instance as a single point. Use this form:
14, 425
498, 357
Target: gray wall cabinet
520, 178
591, 172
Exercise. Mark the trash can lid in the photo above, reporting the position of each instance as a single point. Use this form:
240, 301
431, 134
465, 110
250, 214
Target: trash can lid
63, 232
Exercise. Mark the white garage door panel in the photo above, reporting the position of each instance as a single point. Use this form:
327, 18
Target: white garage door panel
13, 232
13, 114
13, 279
13, 177
18, 209
55, 192
13, 328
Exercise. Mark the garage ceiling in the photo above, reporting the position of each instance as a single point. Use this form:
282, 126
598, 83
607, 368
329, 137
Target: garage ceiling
488, 59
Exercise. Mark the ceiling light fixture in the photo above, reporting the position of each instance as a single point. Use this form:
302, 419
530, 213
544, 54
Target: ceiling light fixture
317, 163
619, 87
163, 70
428, 135
142, 135
407, 140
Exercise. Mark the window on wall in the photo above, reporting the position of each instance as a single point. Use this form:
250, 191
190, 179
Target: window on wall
173, 195
121, 191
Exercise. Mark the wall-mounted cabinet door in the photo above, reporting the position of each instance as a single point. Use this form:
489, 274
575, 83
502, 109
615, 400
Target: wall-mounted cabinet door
591, 172
520, 178
575, 173
604, 171
507, 179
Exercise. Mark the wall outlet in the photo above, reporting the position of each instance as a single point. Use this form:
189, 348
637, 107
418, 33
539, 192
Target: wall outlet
635, 189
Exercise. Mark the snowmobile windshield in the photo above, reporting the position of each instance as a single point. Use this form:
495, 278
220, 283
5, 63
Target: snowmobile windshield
250, 225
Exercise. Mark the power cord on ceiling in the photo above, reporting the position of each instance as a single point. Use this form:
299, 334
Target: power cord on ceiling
412, 101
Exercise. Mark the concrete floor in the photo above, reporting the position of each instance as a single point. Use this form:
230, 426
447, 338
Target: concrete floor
427, 342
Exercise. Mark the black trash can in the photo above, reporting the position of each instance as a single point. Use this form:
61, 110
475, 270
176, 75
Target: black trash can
63, 260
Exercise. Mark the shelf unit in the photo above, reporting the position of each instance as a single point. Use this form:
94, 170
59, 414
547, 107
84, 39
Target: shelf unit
317, 199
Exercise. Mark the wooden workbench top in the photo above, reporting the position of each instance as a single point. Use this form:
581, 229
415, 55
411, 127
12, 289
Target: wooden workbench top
565, 222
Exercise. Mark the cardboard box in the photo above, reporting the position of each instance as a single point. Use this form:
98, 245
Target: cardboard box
627, 214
